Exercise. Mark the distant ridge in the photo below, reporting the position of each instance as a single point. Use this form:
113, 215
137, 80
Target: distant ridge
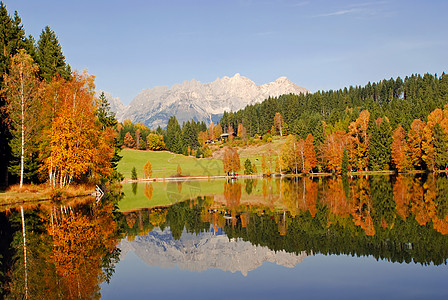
200, 101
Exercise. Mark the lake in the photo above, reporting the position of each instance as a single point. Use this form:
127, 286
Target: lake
320, 238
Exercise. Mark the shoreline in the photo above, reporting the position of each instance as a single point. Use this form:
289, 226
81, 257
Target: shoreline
236, 177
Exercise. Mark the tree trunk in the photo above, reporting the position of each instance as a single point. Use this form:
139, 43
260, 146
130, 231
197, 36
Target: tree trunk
24, 252
22, 154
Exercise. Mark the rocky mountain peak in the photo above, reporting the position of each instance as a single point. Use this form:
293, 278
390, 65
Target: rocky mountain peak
201, 101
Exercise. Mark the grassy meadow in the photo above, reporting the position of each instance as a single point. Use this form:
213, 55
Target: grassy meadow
164, 164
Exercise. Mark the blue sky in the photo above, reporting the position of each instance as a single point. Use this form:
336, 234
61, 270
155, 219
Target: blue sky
136, 44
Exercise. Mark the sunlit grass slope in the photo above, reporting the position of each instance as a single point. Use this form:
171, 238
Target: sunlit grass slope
164, 164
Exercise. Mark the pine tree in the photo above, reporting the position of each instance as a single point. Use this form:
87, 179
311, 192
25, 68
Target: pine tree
11, 39
190, 135
107, 120
248, 168
380, 145
440, 147
50, 58
173, 136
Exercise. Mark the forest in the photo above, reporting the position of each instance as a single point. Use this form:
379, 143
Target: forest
52, 127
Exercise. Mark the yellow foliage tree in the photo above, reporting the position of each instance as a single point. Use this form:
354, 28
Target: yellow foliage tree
77, 145
147, 169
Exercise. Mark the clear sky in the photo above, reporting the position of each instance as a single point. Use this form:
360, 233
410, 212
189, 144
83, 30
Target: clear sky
132, 45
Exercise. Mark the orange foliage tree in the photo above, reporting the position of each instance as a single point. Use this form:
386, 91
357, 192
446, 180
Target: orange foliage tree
231, 161
359, 141
333, 151
77, 145
415, 141
400, 150
129, 140
278, 123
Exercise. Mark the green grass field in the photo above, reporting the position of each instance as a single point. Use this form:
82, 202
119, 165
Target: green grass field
164, 164
167, 193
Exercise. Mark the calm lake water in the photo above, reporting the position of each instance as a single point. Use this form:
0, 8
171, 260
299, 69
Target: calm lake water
317, 238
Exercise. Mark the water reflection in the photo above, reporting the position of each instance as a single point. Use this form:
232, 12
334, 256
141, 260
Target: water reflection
401, 219
59, 251
234, 226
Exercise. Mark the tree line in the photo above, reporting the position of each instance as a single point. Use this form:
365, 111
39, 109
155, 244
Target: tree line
390, 125
52, 127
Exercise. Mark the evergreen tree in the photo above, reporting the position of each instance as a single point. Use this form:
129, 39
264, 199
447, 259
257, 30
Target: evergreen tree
190, 135
248, 168
380, 145
173, 139
11, 40
107, 120
50, 57
440, 147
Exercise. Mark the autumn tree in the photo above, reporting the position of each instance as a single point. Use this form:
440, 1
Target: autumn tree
434, 142
333, 151
147, 169
278, 123
155, 142
291, 158
359, 141
77, 146
217, 131
231, 161
129, 140
138, 136
263, 163
415, 142
242, 132
400, 150
211, 134
310, 161
22, 92
178, 170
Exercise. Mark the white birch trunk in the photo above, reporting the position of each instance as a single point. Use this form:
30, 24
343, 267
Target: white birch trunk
22, 154
24, 252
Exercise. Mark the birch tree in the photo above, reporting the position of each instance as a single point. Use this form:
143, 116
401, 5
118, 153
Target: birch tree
22, 92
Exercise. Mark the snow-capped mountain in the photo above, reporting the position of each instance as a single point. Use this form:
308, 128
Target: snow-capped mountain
201, 101
204, 251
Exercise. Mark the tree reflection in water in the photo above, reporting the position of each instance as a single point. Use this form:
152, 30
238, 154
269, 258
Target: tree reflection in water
401, 219
70, 250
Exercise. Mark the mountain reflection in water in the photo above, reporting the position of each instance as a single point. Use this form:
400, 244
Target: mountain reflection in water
204, 251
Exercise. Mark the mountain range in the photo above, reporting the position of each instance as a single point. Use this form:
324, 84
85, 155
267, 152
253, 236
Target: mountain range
207, 250
199, 101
